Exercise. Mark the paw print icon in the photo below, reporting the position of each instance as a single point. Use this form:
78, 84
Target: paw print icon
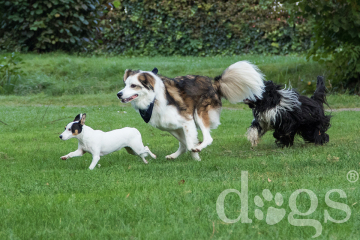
273, 215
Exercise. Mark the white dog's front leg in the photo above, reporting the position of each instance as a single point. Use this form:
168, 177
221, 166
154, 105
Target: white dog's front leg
77, 153
95, 160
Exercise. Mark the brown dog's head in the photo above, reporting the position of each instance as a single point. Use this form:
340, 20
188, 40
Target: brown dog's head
139, 87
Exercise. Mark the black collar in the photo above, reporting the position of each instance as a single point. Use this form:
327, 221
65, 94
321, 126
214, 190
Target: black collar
146, 114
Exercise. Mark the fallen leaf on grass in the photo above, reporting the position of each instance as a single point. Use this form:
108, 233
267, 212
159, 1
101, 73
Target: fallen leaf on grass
127, 195
182, 182
332, 159
269, 180
354, 203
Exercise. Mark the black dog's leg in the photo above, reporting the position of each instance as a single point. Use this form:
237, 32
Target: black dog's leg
320, 137
254, 133
284, 139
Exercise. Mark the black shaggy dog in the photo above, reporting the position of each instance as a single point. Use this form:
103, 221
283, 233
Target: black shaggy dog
288, 113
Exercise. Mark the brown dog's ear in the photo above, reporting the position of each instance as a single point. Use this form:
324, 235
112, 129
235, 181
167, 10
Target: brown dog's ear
147, 81
127, 74
82, 122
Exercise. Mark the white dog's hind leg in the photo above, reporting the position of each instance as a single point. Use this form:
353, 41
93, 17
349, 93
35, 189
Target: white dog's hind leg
146, 153
150, 153
95, 160
179, 135
136, 147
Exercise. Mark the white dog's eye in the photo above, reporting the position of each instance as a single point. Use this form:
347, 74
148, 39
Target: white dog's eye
133, 86
69, 129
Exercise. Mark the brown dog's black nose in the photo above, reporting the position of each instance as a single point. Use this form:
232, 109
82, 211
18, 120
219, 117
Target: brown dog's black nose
60, 136
119, 94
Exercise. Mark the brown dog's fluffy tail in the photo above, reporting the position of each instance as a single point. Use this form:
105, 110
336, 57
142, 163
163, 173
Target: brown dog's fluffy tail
242, 80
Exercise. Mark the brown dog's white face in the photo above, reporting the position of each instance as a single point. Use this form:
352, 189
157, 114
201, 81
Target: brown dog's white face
139, 88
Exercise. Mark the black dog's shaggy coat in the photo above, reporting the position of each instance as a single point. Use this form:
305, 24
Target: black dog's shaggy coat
288, 113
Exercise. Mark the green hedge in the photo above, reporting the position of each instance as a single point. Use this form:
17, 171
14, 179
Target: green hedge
47, 25
201, 28
151, 27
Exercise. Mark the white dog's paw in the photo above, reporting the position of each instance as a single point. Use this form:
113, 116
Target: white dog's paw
64, 157
195, 156
171, 156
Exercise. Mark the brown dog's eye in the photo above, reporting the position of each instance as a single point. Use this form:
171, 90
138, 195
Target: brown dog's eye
133, 86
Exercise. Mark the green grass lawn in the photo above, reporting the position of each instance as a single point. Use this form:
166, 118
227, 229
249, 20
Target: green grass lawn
58, 74
43, 197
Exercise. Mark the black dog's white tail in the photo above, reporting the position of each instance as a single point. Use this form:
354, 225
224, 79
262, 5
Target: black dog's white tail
242, 80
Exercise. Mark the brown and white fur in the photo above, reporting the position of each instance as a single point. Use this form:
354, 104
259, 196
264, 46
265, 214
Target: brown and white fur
183, 104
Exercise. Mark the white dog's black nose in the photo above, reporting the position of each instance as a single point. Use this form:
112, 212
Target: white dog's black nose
119, 94
60, 136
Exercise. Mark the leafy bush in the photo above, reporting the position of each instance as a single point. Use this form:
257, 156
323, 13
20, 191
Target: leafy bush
336, 38
47, 25
10, 73
200, 28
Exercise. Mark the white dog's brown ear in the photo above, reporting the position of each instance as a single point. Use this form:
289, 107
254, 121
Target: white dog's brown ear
147, 81
82, 122
127, 74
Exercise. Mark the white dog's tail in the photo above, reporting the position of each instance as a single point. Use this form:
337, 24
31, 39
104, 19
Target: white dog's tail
242, 80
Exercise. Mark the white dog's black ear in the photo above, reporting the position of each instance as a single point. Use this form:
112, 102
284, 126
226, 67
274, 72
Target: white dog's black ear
82, 121
147, 81
76, 128
155, 71
78, 117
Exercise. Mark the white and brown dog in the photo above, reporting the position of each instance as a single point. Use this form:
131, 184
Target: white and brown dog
183, 104
100, 143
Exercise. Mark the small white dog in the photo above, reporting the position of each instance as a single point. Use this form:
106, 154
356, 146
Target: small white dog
100, 143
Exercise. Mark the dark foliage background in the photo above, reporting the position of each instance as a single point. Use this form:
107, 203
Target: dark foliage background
201, 28
336, 38
328, 30
48, 25
152, 27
